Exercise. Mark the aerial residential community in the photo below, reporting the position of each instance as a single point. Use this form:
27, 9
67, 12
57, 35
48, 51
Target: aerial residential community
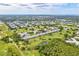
38, 37
39, 29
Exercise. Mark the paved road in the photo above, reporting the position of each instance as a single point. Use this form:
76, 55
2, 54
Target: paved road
34, 36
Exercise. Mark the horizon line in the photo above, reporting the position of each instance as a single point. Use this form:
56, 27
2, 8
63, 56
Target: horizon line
39, 14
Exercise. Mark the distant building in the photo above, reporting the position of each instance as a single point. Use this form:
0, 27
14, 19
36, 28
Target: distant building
11, 25
63, 21
73, 41
24, 35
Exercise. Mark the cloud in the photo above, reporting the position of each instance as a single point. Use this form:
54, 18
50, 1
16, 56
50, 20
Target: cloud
23, 4
29, 7
40, 8
4, 4
38, 3
41, 4
44, 5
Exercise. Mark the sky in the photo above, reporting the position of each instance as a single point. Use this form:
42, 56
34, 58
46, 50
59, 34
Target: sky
39, 8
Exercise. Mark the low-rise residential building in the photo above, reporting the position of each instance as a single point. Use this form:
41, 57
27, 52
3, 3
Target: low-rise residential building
73, 41
11, 25
24, 35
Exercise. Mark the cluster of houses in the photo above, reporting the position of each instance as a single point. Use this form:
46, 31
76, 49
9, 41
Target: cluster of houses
63, 21
26, 35
16, 24
11, 25
41, 22
74, 40
22, 24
